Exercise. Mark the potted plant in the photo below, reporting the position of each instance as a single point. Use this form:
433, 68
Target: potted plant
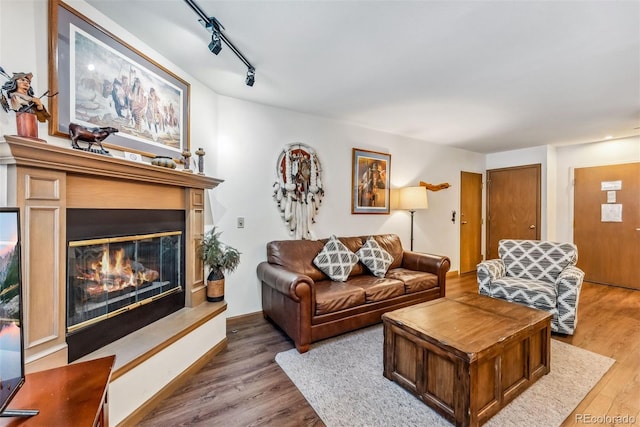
220, 258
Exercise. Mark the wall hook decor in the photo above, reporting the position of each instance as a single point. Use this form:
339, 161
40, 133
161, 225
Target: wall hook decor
298, 188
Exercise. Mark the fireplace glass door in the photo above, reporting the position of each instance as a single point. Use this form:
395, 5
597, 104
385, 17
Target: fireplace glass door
106, 277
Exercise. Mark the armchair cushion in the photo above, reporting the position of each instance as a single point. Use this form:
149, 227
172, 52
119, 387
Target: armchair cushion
534, 293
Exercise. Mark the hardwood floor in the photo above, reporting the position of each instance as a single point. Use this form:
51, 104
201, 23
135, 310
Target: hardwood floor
243, 386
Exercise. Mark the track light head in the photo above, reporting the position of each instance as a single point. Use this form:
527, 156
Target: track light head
251, 77
216, 42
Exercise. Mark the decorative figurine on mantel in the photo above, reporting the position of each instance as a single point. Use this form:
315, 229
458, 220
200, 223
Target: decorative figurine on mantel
90, 135
200, 153
18, 95
186, 155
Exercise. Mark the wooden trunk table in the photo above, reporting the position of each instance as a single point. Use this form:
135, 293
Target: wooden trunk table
466, 357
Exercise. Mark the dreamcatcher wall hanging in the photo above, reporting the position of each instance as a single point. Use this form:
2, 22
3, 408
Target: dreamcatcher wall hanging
298, 188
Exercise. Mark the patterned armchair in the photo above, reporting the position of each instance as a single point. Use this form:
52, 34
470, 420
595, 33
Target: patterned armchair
538, 274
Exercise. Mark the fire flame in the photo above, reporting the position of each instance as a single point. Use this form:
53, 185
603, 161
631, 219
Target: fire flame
114, 271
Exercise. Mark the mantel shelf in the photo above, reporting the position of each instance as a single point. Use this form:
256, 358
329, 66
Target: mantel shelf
33, 153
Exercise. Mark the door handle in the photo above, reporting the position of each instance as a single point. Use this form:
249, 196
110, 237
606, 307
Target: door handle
532, 227
463, 222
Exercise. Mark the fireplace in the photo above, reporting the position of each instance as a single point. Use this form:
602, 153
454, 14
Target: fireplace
55, 187
125, 270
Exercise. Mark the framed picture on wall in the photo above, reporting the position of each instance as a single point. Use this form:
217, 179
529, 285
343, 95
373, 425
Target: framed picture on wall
102, 81
370, 179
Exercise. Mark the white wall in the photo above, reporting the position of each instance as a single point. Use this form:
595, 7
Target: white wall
250, 139
23, 47
569, 157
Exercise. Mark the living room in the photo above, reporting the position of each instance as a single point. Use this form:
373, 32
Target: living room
242, 141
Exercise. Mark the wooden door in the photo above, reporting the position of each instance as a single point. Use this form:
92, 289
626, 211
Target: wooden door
470, 221
513, 205
608, 247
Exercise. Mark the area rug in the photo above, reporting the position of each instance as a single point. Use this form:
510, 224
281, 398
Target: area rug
342, 380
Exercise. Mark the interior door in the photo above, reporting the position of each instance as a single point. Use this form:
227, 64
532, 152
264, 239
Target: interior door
608, 242
513, 205
470, 221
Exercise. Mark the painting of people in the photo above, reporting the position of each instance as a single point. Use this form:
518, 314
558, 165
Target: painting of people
112, 90
370, 191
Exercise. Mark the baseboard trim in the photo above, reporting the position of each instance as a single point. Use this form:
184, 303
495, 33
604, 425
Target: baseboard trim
138, 415
244, 316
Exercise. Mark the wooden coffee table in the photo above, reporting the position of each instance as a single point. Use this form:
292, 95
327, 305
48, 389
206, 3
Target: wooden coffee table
466, 357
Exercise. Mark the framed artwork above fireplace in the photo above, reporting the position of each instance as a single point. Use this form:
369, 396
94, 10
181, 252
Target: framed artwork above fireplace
102, 81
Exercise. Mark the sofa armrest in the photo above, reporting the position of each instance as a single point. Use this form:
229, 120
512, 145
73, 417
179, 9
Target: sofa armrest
487, 272
294, 285
428, 263
569, 278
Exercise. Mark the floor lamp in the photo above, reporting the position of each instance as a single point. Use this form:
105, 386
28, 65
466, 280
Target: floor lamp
411, 199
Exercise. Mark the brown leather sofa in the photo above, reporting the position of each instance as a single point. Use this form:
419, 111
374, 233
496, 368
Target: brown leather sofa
308, 306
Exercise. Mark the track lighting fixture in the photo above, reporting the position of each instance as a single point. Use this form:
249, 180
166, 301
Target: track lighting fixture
251, 77
217, 37
216, 42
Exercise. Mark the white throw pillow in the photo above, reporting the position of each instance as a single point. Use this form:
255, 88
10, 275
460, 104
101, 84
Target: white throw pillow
375, 257
335, 260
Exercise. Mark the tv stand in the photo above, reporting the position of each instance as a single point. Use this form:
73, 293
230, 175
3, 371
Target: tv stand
19, 413
74, 394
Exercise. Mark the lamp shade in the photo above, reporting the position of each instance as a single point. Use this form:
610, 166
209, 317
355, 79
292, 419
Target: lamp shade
412, 198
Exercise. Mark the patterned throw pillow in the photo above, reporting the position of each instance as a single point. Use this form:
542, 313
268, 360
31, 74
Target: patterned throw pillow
335, 260
375, 257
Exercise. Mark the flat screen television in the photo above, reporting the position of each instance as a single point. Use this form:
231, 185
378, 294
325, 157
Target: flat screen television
12, 374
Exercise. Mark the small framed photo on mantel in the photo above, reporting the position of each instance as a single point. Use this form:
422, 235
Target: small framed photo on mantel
134, 157
370, 176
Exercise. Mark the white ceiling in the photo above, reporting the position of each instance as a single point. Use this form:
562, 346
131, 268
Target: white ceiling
484, 76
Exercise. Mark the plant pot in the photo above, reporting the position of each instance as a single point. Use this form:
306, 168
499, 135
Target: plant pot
215, 288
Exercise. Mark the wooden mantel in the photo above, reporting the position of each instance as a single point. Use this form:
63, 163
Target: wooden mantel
32, 153
44, 180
